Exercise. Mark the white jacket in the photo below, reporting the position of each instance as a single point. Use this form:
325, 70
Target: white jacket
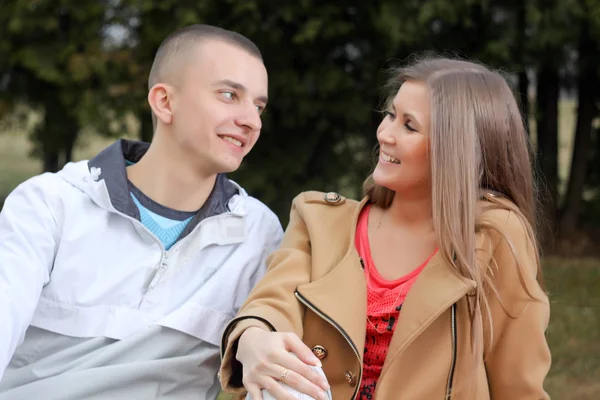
72, 263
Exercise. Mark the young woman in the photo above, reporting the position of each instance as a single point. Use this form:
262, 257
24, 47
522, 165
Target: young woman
427, 288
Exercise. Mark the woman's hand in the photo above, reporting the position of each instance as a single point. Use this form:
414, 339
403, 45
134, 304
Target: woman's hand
271, 357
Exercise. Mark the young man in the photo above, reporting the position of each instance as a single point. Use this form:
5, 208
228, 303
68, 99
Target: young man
119, 274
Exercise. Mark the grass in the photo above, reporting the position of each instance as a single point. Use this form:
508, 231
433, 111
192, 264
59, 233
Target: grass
574, 330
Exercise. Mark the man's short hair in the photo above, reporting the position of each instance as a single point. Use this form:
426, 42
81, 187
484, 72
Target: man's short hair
182, 39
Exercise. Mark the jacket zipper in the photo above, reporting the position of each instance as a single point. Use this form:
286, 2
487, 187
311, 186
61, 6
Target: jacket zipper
314, 309
165, 253
454, 348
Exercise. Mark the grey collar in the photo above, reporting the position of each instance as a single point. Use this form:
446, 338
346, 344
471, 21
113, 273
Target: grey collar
111, 164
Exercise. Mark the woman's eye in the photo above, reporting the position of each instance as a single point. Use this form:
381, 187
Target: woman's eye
410, 128
389, 114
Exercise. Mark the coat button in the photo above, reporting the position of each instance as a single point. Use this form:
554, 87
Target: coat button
332, 197
351, 378
319, 351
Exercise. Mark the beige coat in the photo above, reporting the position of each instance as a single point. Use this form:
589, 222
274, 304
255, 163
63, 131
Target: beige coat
315, 287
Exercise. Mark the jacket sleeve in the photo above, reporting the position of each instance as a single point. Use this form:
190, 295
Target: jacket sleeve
28, 237
518, 358
271, 304
254, 271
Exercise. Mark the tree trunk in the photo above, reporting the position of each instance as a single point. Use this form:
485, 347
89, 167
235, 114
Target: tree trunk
587, 85
69, 146
146, 128
520, 57
57, 135
548, 89
50, 160
524, 97
594, 165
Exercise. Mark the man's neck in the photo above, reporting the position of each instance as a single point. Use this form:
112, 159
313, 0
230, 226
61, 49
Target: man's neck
170, 181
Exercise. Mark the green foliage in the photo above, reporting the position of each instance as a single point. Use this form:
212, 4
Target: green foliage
52, 60
89, 65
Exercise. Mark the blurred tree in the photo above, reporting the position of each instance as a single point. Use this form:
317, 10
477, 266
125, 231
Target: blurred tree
88, 67
551, 46
51, 59
588, 85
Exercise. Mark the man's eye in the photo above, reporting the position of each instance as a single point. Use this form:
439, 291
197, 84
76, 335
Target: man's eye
228, 95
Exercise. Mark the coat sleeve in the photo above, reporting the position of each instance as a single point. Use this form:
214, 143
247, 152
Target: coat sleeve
518, 357
271, 304
28, 238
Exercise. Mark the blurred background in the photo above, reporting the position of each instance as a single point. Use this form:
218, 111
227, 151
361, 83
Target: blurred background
73, 78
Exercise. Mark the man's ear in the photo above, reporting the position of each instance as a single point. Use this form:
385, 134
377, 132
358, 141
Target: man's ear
159, 98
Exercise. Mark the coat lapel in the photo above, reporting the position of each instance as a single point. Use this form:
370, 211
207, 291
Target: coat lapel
435, 290
341, 295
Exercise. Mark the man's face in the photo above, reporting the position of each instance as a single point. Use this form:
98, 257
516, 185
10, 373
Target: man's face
217, 104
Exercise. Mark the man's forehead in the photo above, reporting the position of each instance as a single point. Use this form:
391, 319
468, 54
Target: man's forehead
230, 63
220, 53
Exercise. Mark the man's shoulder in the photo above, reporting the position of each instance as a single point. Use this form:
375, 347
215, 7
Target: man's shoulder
257, 210
50, 188
45, 184
257, 207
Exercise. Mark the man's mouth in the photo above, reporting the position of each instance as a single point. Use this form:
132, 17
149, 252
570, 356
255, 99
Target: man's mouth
232, 140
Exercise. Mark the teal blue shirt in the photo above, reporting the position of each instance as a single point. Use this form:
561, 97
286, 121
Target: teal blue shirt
168, 230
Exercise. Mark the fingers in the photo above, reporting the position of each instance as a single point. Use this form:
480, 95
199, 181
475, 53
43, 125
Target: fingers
296, 346
299, 383
286, 368
254, 392
279, 391
307, 376
286, 359
299, 364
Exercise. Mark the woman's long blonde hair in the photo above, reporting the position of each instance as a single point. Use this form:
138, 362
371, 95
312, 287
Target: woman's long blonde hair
478, 148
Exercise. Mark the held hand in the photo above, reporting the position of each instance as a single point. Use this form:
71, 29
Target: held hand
267, 360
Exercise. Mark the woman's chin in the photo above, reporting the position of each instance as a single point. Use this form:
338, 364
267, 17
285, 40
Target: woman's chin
383, 179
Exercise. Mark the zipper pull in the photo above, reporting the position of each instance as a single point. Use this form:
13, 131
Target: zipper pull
159, 271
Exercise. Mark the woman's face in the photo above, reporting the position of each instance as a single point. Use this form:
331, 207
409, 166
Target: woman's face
403, 136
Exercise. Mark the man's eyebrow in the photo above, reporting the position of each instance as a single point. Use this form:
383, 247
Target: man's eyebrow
240, 87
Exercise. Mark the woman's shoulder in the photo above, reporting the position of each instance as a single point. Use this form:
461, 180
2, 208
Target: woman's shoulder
502, 214
327, 216
500, 221
324, 201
